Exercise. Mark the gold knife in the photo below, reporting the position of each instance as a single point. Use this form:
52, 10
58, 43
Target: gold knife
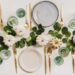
45, 60
49, 52
15, 61
73, 61
73, 64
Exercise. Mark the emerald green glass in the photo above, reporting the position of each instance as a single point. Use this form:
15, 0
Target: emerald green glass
5, 54
63, 51
12, 21
58, 60
20, 12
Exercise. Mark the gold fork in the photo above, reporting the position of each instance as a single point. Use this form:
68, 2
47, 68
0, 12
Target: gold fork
15, 61
73, 61
49, 52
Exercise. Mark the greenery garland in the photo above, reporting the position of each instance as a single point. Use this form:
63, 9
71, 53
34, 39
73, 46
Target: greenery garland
63, 33
67, 37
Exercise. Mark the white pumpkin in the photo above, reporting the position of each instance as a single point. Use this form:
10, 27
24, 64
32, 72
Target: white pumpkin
43, 39
9, 40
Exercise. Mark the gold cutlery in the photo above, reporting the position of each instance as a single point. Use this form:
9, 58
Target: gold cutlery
1, 21
61, 16
73, 61
49, 52
30, 16
15, 61
26, 24
45, 60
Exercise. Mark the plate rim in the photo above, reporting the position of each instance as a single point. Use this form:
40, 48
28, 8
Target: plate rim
40, 3
20, 64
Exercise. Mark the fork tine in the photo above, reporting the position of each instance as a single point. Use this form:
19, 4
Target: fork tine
61, 16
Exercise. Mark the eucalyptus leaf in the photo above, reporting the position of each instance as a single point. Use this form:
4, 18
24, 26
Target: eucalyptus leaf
57, 26
1, 60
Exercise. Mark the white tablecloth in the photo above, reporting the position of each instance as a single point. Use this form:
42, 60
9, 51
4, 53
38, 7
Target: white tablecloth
9, 8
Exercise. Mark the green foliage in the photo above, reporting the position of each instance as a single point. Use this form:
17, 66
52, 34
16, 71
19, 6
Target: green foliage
33, 35
64, 40
59, 36
2, 44
73, 32
57, 26
30, 41
51, 32
55, 34
34, 29
68, 34
1, 39
17, 44
9, 30
64, 30
40, 29
1, 60
21, 43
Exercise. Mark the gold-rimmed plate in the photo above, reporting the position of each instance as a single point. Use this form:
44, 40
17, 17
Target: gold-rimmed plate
45, 13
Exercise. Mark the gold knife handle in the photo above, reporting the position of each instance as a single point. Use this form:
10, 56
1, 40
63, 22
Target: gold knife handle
73, 65
45, 60
30, 16
49, 64
15, 63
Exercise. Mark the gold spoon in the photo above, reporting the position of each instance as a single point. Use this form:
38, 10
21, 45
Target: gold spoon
26, 24
61, 16
30, 16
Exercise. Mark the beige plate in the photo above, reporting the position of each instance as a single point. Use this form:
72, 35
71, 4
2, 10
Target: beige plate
29, 60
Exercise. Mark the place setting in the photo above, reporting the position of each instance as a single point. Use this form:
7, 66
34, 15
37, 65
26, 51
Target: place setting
28, 37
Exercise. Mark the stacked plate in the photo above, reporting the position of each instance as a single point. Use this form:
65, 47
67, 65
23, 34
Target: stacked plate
45, 13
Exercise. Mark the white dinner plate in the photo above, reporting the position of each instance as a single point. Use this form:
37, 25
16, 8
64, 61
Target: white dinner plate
45, 13
30, 60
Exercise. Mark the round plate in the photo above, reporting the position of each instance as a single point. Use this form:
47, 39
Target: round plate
45, 13
29, 60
